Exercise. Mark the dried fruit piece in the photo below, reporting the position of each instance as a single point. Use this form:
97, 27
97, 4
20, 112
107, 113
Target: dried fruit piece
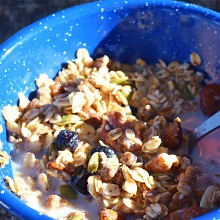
187, 213
173, 136
210, 99
68, 192
56, 166
108, 151
67, 139
79, 181
195, 59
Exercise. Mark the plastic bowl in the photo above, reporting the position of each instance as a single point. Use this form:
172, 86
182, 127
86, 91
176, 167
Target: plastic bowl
124, 30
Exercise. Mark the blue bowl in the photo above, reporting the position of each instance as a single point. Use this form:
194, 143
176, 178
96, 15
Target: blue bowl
124, 30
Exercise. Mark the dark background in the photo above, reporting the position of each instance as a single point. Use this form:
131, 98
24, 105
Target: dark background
16, 14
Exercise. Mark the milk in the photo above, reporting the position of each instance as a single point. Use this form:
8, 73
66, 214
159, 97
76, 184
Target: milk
83, 203
206, 154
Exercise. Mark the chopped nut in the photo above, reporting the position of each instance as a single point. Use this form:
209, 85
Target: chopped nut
162, 163
109, 214
187, 181
55, 202
128, 158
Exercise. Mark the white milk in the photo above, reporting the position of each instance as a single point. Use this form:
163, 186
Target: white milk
83, 203
206, 154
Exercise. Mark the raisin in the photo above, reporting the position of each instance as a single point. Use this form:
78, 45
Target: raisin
67, 140
108, 151
79, 180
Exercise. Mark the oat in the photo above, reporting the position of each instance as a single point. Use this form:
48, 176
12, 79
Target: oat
44, 181
195, 59
4, 158
11, 113
64, 158
152, 145
30, 161
115, 134
207, 198
110, 189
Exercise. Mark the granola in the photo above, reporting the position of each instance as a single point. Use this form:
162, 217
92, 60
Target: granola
121, 114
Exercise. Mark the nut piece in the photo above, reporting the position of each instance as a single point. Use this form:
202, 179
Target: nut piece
173, 136
195, 59
162, 163
55, 202
210, 99
128, 158
109, 214
187, 181
145, 113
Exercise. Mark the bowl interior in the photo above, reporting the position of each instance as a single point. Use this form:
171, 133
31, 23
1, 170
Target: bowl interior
123, 30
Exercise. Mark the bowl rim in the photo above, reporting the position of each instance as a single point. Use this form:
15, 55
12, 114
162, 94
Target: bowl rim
93, 7
11, 202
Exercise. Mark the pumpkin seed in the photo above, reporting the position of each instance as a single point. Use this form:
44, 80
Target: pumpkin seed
50, 150
69, 119
76, 217
127, 91
119, 80
186, 92
68, 191
93, 163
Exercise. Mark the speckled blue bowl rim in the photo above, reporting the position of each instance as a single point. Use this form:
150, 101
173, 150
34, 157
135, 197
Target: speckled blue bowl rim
10, 202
